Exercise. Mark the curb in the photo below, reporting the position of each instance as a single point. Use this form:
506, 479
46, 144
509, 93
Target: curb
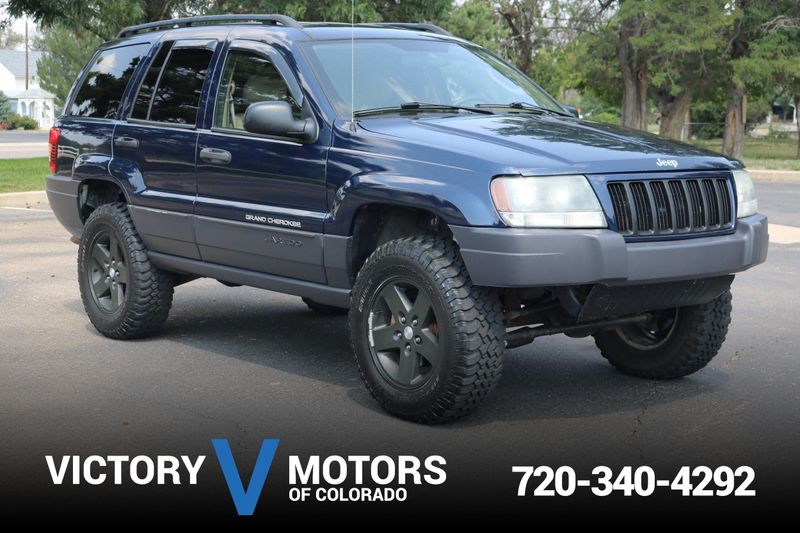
785, 176
24, 199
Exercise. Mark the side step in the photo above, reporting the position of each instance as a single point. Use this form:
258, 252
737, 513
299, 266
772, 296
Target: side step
334, 296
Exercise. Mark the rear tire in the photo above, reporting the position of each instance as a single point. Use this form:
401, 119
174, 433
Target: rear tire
324, 309
125, 296
428, 343
694, 338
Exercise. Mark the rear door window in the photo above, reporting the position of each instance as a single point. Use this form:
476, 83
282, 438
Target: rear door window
102, 88
177, 95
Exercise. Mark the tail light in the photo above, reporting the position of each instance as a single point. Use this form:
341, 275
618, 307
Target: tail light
55, 136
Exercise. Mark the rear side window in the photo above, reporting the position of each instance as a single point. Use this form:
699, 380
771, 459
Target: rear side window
177, 95
145, 95
101, 92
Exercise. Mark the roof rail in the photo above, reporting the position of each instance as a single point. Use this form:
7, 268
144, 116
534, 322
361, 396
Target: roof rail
418, 26
283, 20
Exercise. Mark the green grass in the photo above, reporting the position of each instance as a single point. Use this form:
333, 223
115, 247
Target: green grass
18, 175
773, 154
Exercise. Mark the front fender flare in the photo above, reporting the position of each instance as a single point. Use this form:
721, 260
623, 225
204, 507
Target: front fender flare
453, 203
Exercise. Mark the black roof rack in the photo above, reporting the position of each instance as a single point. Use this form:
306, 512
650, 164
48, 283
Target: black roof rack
283, 20
415, 26
418, 26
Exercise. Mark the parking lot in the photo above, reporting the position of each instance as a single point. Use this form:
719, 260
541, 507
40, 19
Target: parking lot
249, 364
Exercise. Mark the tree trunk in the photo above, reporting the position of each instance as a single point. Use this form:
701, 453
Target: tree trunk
634, 78
733, 137
673, 115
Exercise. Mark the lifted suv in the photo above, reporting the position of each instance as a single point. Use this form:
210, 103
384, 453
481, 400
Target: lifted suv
447, 201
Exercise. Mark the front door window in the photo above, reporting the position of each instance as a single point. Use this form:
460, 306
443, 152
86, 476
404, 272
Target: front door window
246, 79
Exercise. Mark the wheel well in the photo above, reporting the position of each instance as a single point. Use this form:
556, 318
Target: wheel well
376, 224
94, 193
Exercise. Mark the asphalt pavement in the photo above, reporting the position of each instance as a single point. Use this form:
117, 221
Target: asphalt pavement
249, 364
22, 144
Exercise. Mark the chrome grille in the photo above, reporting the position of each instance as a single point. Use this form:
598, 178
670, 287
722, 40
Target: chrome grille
664, 207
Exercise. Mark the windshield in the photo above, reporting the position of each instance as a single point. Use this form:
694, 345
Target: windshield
390, 72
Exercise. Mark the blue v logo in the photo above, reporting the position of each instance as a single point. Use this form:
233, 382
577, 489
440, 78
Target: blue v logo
245, 500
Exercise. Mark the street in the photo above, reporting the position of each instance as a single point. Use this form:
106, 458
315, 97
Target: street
249, 364
21, 144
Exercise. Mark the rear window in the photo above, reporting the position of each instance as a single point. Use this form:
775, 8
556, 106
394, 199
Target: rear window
102, 88
177, 97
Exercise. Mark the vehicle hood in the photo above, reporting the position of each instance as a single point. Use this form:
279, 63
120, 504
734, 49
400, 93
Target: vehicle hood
533, 144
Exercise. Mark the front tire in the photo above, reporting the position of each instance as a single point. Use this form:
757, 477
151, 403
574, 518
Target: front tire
673, 344
125, 296
428, 344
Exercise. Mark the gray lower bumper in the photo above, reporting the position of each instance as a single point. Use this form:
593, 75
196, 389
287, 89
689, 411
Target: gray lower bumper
506, 257
62, 193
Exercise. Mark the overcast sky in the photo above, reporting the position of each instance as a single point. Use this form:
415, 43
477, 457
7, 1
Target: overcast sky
18, 24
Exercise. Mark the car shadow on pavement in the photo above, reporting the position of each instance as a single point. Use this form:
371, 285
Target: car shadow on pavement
553, 378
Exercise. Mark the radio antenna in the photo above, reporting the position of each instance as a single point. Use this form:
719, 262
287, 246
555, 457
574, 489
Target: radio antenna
352, 63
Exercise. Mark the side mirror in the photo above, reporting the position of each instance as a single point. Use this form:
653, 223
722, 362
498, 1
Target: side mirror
276, 118
572, 110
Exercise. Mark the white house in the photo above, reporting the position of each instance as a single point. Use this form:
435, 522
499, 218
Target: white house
34, 101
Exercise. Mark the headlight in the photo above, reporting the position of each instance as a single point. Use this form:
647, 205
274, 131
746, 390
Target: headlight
547, 202
746, 202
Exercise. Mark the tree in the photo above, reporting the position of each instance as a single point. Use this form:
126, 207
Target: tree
609, 64
536, 26
66, 52
478, 22
341, 10
682, 44
757, 21
667, 50
5, 106
633, 65
774, 60
9, 38
102, 18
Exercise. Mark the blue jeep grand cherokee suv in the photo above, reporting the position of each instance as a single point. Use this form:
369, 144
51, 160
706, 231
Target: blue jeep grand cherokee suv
446, 200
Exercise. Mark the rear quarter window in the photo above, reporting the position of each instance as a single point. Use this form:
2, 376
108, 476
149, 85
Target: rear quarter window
104, 84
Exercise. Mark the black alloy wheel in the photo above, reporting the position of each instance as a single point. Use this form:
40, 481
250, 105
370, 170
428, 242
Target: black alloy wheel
404, 333
108, 272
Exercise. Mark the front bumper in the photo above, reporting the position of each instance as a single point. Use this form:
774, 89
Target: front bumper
514, 257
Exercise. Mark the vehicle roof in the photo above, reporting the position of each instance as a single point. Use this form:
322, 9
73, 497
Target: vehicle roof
310, 31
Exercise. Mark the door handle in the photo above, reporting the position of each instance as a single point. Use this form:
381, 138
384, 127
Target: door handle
215, 155
126, 142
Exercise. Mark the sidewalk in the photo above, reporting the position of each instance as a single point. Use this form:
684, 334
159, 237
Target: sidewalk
792, 176
29, 200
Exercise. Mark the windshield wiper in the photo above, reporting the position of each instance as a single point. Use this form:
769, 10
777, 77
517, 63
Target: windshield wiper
525, 106
420, 106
